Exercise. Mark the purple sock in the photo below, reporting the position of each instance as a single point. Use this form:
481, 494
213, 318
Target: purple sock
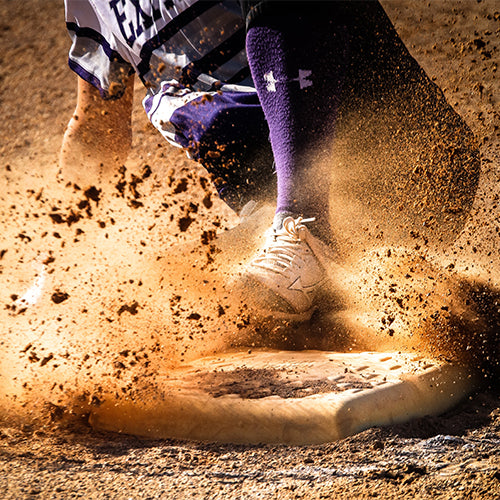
298, 62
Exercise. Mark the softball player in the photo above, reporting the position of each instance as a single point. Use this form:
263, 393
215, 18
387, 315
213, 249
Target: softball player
306, 60
191, 57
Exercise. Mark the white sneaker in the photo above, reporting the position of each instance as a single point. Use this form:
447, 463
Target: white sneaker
288, 274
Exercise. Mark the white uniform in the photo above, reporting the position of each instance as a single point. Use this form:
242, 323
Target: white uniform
180, 49
191, 56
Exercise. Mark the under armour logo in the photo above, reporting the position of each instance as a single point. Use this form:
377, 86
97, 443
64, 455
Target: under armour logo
271, 82
303, 80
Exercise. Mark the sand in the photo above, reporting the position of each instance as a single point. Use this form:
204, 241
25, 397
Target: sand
100, 291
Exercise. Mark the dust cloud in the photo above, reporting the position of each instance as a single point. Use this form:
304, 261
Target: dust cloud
105, 286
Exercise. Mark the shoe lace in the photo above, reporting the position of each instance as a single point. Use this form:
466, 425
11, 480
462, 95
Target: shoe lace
285, 248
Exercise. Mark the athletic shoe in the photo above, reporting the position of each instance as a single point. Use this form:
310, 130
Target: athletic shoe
288, 275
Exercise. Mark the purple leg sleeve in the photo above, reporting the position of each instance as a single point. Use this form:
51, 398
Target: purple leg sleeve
298, 63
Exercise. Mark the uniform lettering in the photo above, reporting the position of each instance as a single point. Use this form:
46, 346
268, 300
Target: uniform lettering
133, 26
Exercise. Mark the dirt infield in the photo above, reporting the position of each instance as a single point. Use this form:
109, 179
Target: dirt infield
85, 303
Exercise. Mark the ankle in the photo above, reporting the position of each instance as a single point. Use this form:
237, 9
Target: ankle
319, 226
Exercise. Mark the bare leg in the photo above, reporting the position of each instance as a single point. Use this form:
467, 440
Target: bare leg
98, 137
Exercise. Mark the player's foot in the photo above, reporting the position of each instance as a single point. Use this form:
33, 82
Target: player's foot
289, 274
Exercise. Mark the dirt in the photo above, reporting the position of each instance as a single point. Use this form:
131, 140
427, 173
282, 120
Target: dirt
133, 282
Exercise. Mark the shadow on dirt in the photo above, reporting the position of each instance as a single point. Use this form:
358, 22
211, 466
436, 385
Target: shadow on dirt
480, 410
